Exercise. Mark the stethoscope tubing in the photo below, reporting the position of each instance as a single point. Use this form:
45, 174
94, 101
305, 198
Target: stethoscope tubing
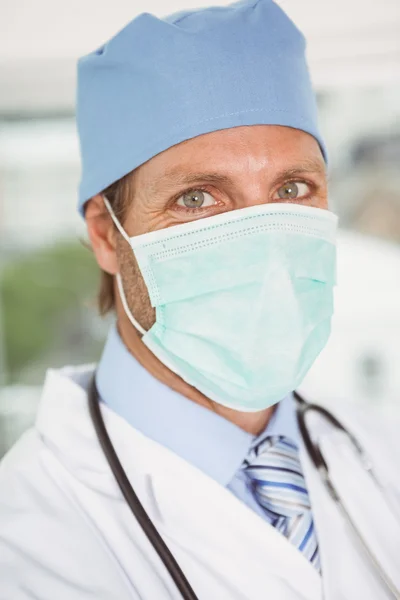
133, 501
315, 454
303, 409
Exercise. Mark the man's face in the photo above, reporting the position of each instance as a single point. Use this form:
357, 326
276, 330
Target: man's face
214, 173
232, 168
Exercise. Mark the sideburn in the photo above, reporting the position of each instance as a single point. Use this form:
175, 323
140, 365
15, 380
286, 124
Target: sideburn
135, 288
119, 194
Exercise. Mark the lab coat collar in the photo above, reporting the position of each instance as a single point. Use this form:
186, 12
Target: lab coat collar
204, 521
184, 503
200, 436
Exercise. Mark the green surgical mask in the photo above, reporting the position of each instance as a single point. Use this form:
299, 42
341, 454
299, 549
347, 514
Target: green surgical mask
243, 299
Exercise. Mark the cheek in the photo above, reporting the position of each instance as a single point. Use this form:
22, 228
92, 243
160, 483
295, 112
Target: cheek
134, 286
323, 204
322, 200
145, 215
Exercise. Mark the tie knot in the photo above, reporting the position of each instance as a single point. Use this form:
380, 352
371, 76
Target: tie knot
275, 475
273, 444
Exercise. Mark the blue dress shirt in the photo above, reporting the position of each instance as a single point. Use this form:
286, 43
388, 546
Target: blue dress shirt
198, 435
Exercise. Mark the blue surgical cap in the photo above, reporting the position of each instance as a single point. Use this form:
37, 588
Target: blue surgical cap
159, 82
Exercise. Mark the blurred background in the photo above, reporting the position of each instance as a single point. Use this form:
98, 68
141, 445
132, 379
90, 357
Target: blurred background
48, 278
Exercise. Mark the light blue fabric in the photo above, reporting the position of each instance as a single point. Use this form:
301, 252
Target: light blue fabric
200, 436
159, 82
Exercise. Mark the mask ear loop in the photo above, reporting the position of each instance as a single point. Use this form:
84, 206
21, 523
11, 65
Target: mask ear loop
126, 307
116, 222
118, 275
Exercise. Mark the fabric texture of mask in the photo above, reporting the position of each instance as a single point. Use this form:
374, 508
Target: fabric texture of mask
243, 300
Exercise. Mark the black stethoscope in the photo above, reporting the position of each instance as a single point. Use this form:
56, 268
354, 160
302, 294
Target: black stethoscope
303, 408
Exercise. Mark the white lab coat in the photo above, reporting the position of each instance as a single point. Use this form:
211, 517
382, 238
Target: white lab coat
67, 534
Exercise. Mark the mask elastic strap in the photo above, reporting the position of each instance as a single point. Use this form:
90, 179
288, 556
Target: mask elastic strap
118, 276
126, 307
116, 222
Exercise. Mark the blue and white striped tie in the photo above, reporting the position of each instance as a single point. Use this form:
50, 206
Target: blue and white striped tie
278, 485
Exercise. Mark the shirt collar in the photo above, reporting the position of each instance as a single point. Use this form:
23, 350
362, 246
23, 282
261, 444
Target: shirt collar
282, 422
200, 436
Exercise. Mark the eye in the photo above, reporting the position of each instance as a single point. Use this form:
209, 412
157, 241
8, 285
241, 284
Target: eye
292, 190
196, 199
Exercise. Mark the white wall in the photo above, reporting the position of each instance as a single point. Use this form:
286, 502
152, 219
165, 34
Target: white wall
366, 325
351, 42
39, 175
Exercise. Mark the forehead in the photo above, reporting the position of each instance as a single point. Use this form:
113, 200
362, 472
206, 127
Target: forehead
249, 147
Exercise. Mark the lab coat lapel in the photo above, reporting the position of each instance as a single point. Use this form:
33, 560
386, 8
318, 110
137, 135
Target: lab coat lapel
211, 532
205, 519
347, 573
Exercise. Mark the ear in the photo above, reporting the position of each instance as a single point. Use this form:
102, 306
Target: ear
101, 230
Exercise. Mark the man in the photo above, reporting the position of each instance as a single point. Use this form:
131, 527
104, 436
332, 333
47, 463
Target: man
205, 196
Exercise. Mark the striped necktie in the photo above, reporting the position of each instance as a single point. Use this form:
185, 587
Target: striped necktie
276, 478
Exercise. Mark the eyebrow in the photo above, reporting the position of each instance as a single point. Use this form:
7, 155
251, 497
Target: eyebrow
177, 178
